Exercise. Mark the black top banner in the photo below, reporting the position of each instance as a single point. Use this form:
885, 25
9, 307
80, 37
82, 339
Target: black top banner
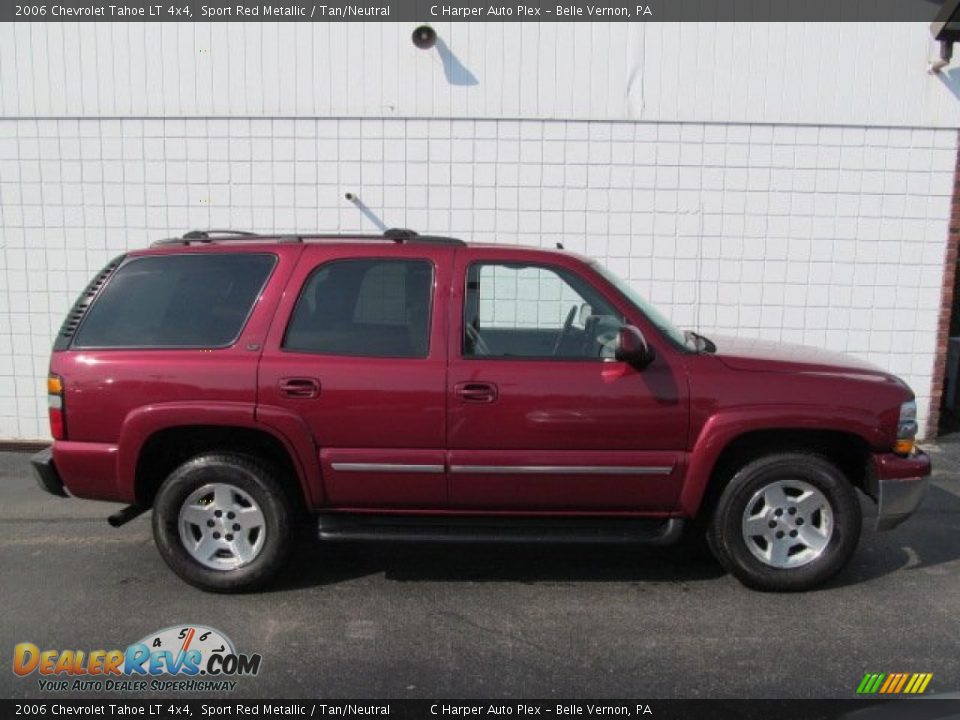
425, 11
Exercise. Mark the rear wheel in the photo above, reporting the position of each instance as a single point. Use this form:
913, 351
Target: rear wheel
786, 522
222, 522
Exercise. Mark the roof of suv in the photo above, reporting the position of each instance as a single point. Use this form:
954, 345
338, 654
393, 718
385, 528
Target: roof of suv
199, 239
396, 235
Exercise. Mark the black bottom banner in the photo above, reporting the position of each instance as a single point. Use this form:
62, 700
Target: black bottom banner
914, 709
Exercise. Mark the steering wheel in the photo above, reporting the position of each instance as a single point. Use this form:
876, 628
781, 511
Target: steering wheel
567, 324
479, 346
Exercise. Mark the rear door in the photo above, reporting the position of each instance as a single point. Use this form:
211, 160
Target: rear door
358, 352
541, 416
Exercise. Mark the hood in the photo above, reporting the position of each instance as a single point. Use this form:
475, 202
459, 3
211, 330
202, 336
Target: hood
771, 356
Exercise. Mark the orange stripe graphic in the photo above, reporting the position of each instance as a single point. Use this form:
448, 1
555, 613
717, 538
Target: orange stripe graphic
903, 679
890, 683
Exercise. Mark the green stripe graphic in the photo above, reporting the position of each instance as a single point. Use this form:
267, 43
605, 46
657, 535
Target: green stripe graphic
871, 683
877, 683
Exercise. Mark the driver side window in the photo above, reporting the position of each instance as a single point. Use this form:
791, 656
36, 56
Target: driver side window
515, 310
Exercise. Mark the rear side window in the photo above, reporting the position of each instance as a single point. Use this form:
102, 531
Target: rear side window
373, 307
175, 301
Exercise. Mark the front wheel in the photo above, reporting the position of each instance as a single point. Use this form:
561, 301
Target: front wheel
222, 522
786, 522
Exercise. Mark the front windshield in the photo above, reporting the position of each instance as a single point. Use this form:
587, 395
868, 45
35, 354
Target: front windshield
651, 313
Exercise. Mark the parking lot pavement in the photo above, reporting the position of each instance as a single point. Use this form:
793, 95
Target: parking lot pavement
451, 621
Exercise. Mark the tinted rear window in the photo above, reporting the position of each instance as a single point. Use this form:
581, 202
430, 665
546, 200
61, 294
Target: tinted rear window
176, 301
374, 307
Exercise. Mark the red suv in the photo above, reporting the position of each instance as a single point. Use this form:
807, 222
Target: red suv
412, 387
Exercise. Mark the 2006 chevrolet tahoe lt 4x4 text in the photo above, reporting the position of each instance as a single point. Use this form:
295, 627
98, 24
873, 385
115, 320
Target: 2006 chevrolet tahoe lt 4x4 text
407, 386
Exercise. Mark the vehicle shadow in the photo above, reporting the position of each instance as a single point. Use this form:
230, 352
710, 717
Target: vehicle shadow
319, 563
924, 541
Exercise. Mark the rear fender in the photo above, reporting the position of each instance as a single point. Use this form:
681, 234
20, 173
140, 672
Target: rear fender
286, 424
143, 422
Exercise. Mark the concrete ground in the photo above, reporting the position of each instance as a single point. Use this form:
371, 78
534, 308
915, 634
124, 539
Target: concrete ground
483, 622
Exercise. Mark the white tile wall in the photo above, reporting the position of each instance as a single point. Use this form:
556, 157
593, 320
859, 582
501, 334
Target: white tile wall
832, 236
524, 298
854, 73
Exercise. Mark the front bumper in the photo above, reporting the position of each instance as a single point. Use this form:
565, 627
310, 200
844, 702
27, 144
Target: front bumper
46, 473
899, 486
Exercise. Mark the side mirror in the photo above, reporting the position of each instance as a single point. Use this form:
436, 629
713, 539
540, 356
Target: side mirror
632, 348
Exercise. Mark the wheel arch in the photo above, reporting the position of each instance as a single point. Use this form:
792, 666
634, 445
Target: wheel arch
707, 477
167, 448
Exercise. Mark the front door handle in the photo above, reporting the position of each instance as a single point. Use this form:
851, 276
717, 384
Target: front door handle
299, 387
476, 392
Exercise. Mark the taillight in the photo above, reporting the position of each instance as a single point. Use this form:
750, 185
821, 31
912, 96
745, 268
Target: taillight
55, 407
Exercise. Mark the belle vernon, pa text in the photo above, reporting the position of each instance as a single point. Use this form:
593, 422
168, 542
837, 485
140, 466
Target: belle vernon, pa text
526, 11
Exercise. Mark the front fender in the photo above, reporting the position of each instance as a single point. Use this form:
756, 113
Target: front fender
724, 427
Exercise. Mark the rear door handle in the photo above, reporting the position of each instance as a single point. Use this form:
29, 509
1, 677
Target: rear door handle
299, 387
476, 392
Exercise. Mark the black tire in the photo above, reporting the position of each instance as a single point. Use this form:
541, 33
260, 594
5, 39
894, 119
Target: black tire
726, 536
250, 475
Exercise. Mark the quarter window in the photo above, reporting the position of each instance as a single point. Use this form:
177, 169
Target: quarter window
169, 301
533, 311
365, 307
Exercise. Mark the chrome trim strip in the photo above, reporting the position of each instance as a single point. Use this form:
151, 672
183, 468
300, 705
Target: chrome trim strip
505, 469
386, 467
561, 469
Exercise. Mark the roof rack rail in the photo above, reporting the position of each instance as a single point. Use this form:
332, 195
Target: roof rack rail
211, 234
206, 236
404, 235
398, 235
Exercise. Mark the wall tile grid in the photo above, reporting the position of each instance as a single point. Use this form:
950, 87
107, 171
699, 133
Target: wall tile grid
805, 73
831, 236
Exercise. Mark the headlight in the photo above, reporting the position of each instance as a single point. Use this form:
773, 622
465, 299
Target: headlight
906, 428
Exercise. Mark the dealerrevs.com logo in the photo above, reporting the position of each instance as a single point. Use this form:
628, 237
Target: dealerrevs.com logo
178, 658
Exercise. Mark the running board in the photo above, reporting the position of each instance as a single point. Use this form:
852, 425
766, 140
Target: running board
433, 528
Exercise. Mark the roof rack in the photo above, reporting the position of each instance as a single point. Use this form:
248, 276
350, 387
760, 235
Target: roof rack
404, 235
207, 236
398, 235
211, 234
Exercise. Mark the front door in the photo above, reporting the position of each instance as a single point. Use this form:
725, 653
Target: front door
358, 353
540, 415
